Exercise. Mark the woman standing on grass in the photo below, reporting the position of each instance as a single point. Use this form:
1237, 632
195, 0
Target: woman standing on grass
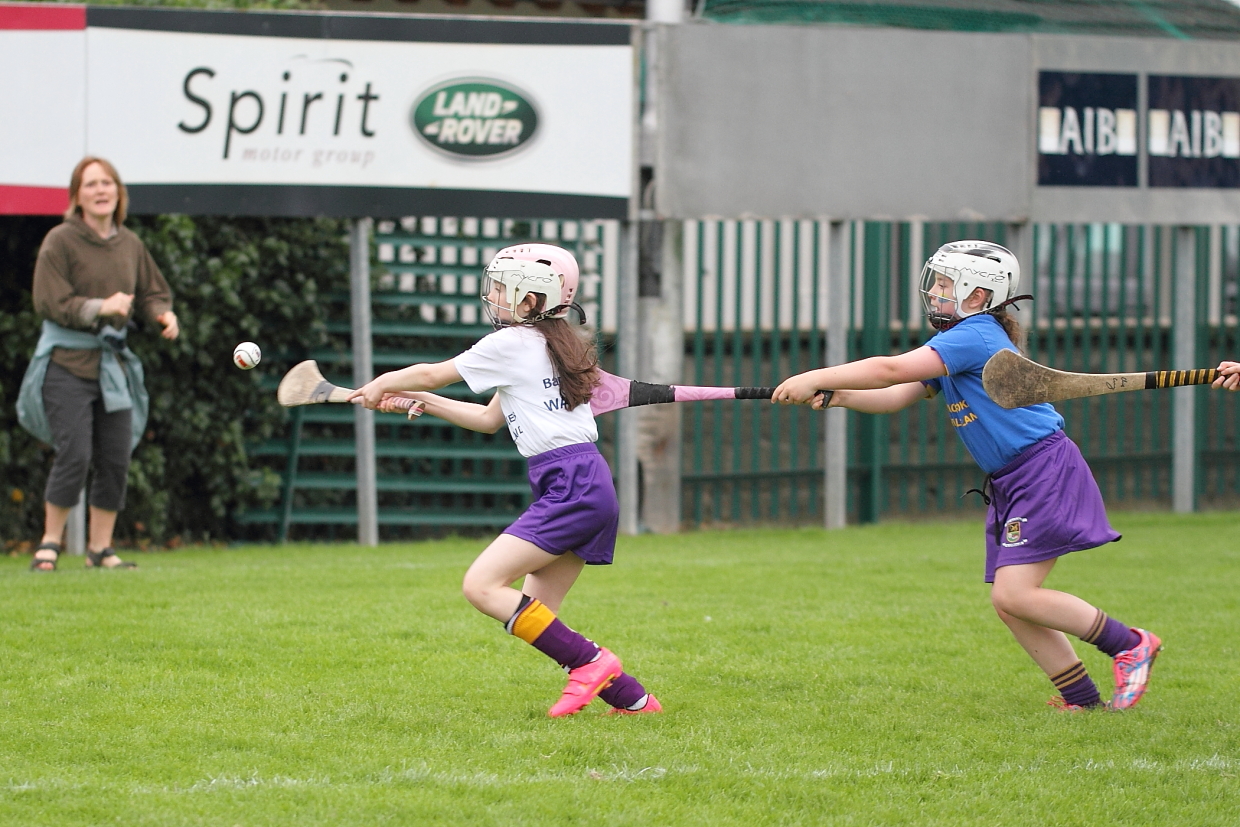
543, 373
83, 392
1043, 500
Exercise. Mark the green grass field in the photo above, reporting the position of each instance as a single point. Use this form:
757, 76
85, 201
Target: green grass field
854, 678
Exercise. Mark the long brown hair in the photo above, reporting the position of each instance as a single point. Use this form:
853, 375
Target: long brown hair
75, 184
1011, 327
572, 354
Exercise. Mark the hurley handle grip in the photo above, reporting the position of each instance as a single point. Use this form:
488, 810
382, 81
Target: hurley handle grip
767, 393
1156, 379
396, 404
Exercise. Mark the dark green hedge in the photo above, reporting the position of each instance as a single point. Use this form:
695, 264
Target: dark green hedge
233, 279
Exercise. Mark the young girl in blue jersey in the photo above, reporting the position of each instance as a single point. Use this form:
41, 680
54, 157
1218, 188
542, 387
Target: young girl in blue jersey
543, 374
1043, 501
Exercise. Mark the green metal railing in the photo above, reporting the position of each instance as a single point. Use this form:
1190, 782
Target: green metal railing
756, 301
431, 477
755, 309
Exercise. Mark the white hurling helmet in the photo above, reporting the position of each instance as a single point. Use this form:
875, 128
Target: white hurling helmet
967, 265
522, 269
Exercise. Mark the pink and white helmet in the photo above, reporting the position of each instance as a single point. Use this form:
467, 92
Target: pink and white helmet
522, 269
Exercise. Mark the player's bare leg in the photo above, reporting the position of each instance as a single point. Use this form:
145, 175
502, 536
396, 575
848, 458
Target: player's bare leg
487, 586
488, 582
1052, 651
1049, 648
1017, 591
551, 583
1038, 618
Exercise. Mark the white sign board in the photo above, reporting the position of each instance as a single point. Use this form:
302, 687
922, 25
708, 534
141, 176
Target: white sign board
211, 112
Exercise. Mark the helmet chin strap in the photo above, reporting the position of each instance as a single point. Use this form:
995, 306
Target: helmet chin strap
1012, 301
941, 322
547, 314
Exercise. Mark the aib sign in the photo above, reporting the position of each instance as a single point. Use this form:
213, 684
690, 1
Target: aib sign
1087, 129
1194, 129
1092, 133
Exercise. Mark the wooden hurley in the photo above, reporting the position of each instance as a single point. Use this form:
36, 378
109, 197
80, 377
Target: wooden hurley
304, 385
1013, 381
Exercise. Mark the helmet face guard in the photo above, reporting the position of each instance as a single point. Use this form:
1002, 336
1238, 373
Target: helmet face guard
507, 282
938, 297
958, 269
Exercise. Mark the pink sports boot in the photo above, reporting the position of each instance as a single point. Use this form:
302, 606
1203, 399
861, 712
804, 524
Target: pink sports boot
1132, 670
585, 682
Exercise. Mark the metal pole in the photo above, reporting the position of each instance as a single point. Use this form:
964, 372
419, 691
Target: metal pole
916, 259
839, 300
661, 351
363, 372
1184, 335
627, 357
665, 11
75, 528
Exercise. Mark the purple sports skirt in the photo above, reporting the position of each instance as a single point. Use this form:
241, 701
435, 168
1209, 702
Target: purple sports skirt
574, 508
1044, 504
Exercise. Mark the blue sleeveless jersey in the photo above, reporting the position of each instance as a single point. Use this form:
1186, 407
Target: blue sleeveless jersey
993, 435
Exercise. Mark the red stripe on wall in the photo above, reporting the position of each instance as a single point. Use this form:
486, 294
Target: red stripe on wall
33, 200
41, 16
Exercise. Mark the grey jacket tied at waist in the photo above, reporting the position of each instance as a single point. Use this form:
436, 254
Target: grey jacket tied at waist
121, 379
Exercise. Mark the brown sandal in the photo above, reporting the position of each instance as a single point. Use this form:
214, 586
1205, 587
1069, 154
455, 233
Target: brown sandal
38, 564
94, 560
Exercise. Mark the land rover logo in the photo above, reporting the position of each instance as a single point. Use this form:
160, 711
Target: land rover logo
475, 118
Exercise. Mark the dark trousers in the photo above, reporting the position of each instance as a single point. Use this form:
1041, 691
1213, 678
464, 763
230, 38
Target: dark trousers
84, 433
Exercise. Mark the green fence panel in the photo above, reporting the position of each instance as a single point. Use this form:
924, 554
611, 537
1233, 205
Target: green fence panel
1105, 300
1220, 340
432, 477
1105, 303
754, 295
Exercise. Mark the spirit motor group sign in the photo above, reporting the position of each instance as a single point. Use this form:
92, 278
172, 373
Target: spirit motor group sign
318, 113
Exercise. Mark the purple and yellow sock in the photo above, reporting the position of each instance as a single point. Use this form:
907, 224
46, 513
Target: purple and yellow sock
539, 627
1076, 687
1110, 636
624, 693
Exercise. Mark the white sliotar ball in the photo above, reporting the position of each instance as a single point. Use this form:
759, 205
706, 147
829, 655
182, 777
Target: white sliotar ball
246, 355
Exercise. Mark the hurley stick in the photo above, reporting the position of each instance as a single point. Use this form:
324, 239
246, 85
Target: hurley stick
304, 385
1013, 381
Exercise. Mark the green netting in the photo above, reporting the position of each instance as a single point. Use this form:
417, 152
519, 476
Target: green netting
1184, 19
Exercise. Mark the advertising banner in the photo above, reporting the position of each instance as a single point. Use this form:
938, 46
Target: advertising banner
1194, 129
1087, 129
43, 101
304, 114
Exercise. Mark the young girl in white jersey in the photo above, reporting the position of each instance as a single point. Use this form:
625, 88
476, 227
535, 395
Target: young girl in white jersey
1044, 501
543, 373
